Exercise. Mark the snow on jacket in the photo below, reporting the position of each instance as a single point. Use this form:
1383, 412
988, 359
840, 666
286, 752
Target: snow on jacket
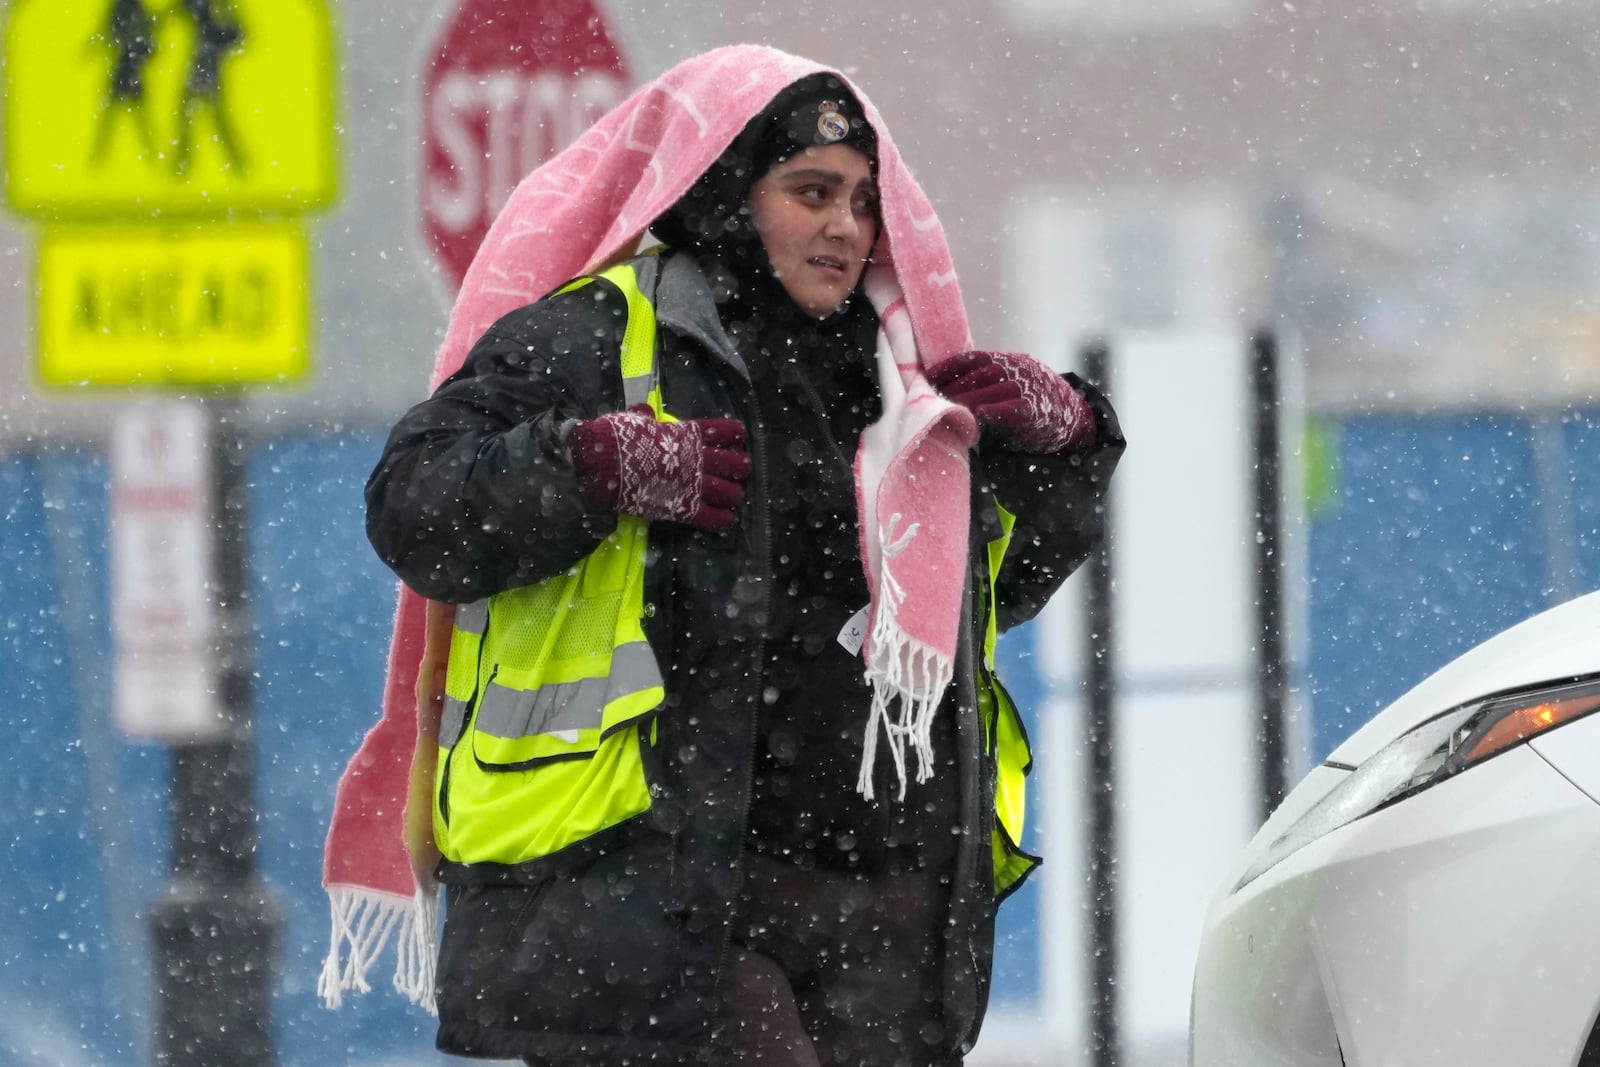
616, 945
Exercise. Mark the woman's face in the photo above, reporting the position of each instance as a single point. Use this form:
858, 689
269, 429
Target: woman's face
816, 213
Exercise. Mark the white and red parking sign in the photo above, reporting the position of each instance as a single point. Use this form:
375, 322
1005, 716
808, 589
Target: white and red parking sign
506, 84
162, 617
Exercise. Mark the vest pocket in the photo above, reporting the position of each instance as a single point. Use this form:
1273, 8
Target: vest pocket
517, 726
507, 816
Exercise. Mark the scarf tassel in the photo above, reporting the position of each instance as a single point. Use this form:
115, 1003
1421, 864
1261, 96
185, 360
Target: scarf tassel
364, 920
900, 667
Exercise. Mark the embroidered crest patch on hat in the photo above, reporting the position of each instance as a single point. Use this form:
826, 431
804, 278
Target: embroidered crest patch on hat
832, 126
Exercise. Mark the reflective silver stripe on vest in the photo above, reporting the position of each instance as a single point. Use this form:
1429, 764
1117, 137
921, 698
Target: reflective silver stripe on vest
637, 390
473, 618
451, 720
506, 712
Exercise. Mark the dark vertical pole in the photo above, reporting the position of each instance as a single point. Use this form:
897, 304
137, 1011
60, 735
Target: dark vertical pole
216, 927
1271, 665
1101, 678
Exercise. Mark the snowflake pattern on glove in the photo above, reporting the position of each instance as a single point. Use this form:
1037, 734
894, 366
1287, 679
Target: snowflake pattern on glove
690, 472
659, 473
1033, 406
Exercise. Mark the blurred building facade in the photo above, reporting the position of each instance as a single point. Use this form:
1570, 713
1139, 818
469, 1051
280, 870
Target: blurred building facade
1403, 185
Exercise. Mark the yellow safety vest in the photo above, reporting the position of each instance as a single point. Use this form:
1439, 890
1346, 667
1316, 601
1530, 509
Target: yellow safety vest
1006, 741
549, 685
550, 688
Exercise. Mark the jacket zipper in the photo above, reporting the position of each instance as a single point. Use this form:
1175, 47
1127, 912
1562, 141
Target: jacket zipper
759, 441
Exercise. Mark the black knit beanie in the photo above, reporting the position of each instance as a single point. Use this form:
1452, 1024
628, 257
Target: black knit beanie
817, 110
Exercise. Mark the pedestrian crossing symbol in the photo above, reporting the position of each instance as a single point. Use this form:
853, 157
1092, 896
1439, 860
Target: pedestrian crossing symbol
155, 108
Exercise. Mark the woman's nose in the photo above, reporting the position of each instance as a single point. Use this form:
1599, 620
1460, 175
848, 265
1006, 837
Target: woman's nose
842, 222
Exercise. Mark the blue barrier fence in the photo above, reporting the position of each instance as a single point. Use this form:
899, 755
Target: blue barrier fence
1434, 534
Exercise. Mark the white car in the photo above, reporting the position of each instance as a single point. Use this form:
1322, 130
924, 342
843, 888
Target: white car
1430, 895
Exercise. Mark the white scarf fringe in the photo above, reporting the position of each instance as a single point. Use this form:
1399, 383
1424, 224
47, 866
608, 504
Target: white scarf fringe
363, 922
903, 667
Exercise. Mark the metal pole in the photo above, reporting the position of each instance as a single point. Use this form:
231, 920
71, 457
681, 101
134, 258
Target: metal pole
216, 927
1271, 663
1100, 674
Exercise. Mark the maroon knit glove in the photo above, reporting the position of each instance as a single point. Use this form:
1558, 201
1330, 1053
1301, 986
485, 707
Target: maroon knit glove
1019, 396
687, 472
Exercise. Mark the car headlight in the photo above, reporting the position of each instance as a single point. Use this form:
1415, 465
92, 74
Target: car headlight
1426, 755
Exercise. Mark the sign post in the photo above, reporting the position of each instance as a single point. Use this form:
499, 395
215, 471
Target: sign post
167, 150
506, 84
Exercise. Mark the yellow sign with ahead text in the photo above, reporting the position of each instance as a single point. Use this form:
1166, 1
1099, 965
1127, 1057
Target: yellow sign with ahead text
155, 108
161, 305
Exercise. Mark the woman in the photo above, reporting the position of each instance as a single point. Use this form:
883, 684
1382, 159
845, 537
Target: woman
730, 453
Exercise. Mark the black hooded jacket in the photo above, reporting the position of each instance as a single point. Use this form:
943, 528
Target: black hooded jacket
614, 948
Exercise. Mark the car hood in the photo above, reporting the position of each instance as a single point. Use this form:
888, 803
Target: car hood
1562, 642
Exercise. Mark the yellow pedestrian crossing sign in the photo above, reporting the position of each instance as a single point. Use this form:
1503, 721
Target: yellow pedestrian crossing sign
168, 305
160, 108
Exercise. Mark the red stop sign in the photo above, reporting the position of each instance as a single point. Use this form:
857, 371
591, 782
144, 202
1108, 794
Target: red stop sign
506, 84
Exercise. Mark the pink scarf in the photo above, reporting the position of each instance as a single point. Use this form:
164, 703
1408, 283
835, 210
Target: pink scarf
587, 207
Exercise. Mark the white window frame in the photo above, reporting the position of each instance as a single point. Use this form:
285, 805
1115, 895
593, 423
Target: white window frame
1062, 258
1127, 14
